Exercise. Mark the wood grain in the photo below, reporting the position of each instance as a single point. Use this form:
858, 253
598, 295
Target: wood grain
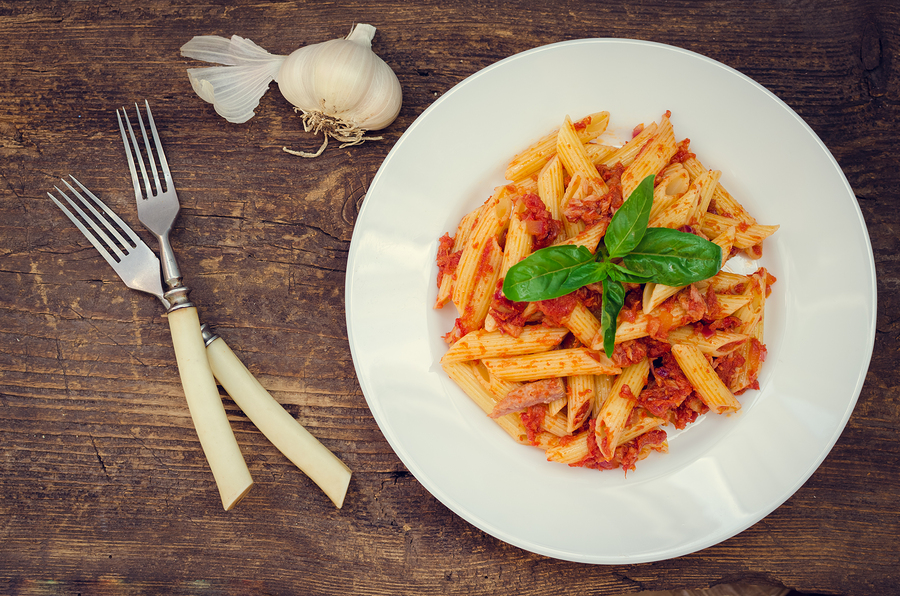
105, 490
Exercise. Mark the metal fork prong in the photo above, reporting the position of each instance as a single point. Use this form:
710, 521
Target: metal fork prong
133, 239
128, 153
163, 163
100, 246
147, 147
137, 156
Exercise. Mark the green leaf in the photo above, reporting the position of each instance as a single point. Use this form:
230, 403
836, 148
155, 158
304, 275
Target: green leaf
674, 258
544, 274
626, 276
589, 273
629, 223
613, 299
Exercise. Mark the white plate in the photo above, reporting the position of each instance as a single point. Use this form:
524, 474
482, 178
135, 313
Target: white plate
721, 475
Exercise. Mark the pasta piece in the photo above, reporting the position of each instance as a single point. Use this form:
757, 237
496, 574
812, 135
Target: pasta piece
638, 328
588, 238
672, 184
581, 395
617, 408
551, 186
459, 241
725, 204
556, 406
518, 240
725, 282
707, 384
555, 424
577, 189
752, 354
576, 450
465, 375
718, 343
710, 183
655, 294
602, 386
485, 284
480, 344
555, 363
582, 323
729, 304
652, 157
571, 451
683, 209
744, 237
575, 159
598, 153
627, 152
751, 312
532, 159
491, 222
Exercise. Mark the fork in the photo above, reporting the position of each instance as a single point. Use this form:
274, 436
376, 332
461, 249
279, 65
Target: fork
158, 207
139, 268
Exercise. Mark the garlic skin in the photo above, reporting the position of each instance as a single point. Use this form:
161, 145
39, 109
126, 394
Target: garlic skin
342, 88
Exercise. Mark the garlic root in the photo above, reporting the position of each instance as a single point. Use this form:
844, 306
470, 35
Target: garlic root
348, 133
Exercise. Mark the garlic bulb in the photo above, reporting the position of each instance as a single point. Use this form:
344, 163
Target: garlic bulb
341, 87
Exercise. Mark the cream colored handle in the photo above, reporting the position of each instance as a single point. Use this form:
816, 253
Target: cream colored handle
216, 438
288, 435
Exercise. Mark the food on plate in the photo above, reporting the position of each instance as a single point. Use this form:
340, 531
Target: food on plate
595, 306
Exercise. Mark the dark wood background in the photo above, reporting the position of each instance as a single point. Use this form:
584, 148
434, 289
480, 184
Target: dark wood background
103, 488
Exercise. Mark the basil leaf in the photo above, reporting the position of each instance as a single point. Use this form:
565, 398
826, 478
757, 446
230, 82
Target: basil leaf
674, 258
613, 299
589, 273
629, 223
544, 273
626, 276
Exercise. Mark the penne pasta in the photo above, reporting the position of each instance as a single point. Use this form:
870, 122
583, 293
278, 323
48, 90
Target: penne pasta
581, 394
617, 407
555, 363
479, 344
709, 387
745, 235
575, 159
539, 369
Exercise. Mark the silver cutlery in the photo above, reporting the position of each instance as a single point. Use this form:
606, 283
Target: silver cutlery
139, 268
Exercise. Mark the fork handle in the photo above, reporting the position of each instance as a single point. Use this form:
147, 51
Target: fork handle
207, 412
288, 435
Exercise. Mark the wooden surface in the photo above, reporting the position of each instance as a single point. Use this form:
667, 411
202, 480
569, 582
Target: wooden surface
103, 488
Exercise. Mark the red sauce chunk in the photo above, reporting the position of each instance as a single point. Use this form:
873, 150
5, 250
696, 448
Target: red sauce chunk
539, 222
447, 260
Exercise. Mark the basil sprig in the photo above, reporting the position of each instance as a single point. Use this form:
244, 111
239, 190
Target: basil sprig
630, 253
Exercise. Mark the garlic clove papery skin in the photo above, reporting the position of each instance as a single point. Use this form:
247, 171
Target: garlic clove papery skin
344, 80
233, 89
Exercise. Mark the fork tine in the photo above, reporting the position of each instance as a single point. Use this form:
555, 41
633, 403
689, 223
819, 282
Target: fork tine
102, 247
138, 158
147, 147
133, 239
163, 163
129, 154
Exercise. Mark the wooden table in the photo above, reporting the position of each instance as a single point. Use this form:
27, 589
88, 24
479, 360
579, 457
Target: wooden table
104, 488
